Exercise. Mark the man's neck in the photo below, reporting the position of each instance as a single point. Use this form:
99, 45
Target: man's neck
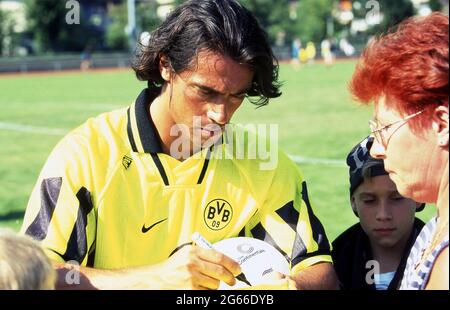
159, 113
161, 117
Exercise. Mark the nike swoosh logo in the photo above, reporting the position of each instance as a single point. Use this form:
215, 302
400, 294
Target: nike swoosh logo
145, 229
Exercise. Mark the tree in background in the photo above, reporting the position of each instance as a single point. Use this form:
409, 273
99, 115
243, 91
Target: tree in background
393, 12
272, 15
2, 31
9, 39
306, 19
46, 20
435, 5
51, 33
146, 20
116, 37
312, 19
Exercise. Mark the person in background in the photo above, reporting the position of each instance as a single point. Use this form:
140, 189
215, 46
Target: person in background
295, 52
311, 52
327, 54
23, 264
405, 74
86, 58
372, 253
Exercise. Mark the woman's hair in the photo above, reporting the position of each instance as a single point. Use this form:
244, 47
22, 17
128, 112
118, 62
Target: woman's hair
221, 26
408, 66
23, 264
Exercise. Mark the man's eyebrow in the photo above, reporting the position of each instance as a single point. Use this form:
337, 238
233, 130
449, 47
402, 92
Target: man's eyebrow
212, 90
366, 194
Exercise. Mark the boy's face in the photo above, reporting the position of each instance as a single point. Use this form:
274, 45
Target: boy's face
385, 216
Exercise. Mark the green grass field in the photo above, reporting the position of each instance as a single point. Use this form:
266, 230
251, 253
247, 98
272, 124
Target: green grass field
316, 118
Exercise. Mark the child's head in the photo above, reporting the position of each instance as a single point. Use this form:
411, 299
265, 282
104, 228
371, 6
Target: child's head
23, 264
385, 216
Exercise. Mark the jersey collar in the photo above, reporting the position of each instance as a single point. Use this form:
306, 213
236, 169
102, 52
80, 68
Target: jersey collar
142, 133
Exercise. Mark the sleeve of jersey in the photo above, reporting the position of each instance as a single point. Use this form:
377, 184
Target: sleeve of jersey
287, 222
60, 212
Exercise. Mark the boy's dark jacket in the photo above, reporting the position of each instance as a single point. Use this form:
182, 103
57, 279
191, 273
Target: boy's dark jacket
351, 251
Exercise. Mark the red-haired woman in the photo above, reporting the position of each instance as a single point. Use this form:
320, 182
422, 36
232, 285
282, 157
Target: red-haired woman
405, 74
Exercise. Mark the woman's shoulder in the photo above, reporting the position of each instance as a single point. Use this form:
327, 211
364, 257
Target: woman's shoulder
439, 276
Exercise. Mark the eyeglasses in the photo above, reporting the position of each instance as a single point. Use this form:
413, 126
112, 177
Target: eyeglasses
380, 134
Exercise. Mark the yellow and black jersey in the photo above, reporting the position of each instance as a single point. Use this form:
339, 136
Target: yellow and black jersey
108, 197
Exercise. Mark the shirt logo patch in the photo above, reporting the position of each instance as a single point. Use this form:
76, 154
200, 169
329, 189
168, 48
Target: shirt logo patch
145, 229
218, 214
126, 161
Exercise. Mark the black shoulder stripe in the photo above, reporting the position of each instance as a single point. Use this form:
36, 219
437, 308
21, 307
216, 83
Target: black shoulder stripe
160, 167
299, 259
91, 258
50, 189
299, 249
242, 232
317, 228
130, 133
289, 214
77, 245
260, 233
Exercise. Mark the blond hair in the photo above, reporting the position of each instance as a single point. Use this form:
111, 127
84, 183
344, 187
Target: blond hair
23, 264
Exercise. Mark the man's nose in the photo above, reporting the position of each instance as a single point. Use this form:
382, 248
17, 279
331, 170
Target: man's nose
218, 114
384, 211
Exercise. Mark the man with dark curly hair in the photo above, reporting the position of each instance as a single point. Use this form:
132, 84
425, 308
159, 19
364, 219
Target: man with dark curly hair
122, 194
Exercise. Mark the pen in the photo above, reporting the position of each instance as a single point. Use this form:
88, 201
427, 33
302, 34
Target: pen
202, 242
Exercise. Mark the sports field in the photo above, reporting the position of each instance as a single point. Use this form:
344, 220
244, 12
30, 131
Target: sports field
318, 125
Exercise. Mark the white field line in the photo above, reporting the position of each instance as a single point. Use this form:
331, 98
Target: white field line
317, 161
33, 129
60, 132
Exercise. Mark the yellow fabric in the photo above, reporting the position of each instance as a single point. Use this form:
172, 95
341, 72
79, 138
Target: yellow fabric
128, 193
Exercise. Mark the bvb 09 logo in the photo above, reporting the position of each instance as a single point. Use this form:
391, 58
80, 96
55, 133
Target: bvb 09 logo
218, 214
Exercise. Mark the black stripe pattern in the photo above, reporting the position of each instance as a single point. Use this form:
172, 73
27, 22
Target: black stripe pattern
317, 228
299, 253
205, 166
160, 167
130, 133
290, 215
260, 233
50, 189
148, 134
77, 244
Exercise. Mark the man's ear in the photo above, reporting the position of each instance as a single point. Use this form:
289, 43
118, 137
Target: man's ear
165, 68
353, 204
440, 125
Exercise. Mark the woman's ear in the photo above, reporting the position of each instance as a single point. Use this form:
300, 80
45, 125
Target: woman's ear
165, 68
440, 125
